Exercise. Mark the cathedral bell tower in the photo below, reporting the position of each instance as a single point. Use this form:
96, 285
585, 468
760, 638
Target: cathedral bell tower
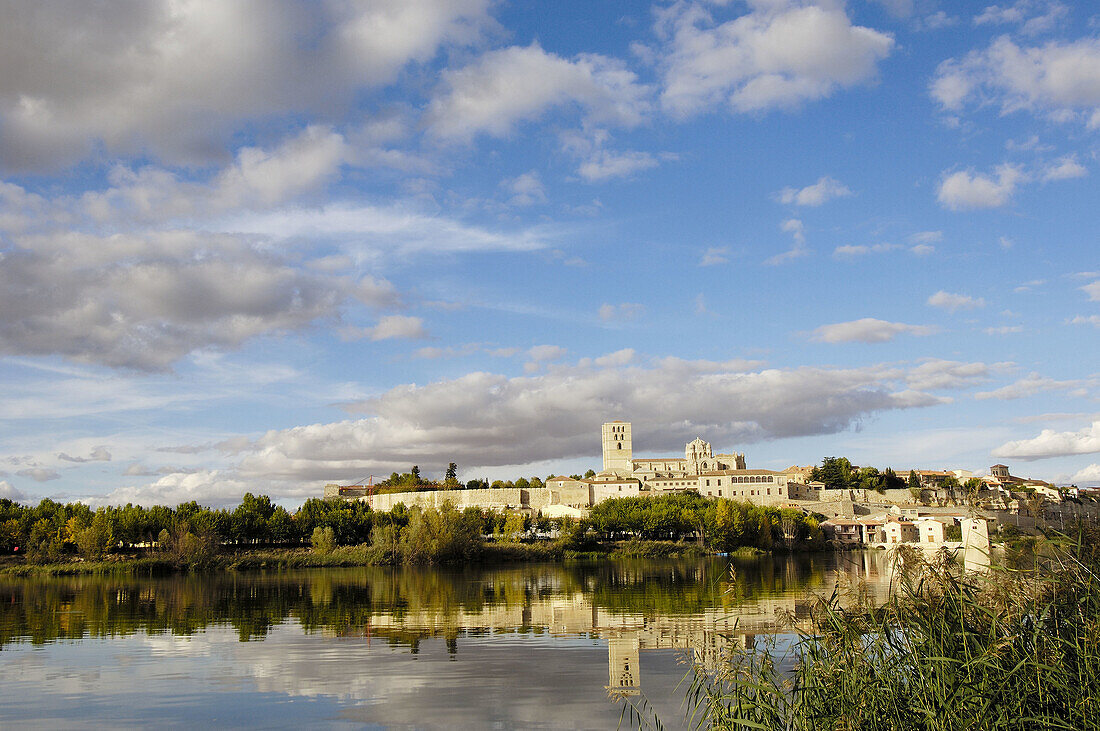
618, 449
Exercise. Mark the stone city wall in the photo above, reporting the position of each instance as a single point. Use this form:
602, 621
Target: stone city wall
500, 498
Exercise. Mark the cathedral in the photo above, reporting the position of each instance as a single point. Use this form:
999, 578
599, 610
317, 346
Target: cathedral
619, 461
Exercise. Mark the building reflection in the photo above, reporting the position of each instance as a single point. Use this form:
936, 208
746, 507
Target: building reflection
707, 636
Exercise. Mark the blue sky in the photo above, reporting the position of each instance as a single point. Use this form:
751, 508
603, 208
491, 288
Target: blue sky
265, 246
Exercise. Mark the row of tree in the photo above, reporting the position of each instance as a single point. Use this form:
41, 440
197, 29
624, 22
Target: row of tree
51, 530
722, 524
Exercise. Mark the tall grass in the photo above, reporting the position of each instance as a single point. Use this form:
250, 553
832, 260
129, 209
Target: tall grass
1011, 650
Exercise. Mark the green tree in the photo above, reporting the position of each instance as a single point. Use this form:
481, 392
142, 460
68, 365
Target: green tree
323, 540
835, 472
97, 538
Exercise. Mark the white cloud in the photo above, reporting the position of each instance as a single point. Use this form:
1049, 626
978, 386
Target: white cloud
526, 189
367, 231
542, 353
937, 20
488, 419
1034, 16
776, 56
867, 330
515, 84
1093, 320
1065, 168
854, 250
922, 250
968, 190
954, 302
403, 327
215, 488
617, 359
1029, 386
1087, 475
625, 311
7, 491
1004, 330
935, 374
177, 79
1092, 290
39, 474
1050, 443
1060, 79
715, 255
926, 237
99, 454
145, 301
794, 227
825, 189
606, 164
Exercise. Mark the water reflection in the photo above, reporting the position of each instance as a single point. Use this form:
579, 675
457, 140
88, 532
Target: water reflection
341, 634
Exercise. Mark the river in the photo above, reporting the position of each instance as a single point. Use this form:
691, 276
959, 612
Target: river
538, 646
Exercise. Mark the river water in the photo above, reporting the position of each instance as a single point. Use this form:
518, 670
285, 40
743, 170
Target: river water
522, 646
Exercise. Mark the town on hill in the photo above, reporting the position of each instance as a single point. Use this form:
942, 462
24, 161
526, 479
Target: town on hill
859, 505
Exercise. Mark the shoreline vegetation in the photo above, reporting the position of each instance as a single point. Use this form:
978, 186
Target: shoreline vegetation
64, 539
1010, 648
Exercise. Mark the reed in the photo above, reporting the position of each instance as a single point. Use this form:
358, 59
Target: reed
1008, 650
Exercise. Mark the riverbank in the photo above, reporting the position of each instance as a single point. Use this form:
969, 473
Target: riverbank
493, 552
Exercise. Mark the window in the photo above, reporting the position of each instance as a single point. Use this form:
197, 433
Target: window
719, 493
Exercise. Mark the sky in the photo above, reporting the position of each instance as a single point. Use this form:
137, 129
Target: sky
265, 246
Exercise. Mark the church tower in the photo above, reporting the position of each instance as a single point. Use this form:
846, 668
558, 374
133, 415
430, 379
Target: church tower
618, 449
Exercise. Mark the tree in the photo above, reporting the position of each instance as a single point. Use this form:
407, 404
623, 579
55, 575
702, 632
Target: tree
415, 472
590, 473
323, 540
835, 472
452, 471
96, 539
914, 481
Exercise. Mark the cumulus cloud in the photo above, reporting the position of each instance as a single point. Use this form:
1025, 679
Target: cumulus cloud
176, 79
825, 189
1087, 476
778, 55
1050, 443
1092, 290
955, 302
526, 189
1065, 168
1060, 79
145, 301
517, 84
487, 419
7, 491
966, 189
1034, 16
215, 488
99, 454
867, 330
1093, 320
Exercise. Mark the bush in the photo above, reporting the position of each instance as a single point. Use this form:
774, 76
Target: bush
323, 540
